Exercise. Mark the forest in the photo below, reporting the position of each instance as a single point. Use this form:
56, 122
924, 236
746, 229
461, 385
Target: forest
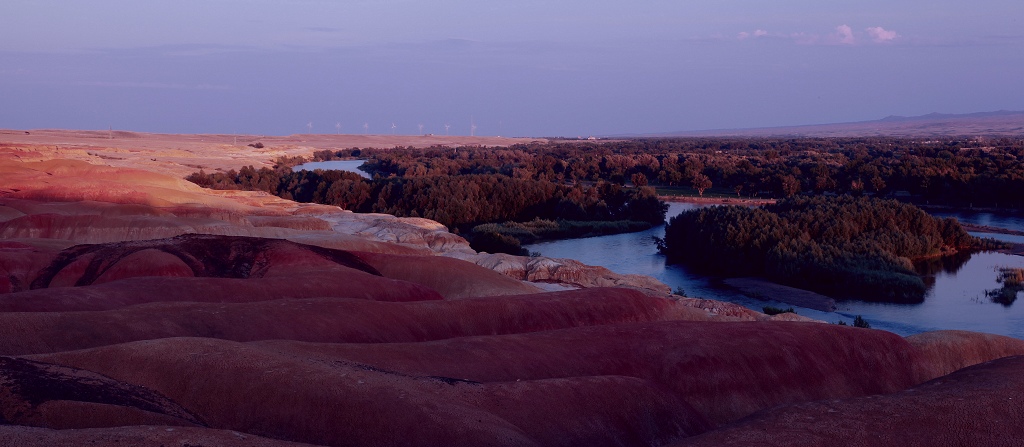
956, 172
844, 247
463, 202
589, 188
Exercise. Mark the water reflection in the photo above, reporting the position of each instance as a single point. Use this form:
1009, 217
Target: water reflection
1008, 220
946, 264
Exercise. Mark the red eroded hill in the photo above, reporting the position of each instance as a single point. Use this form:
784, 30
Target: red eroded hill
726, 370
285, 396
977, 406
331, 320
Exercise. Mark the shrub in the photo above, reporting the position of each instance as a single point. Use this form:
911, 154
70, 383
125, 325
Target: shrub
492, 242
771, 310
859, 321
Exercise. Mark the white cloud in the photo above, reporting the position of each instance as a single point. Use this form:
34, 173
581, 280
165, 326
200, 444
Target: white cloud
881, 35
743, 35
844, 35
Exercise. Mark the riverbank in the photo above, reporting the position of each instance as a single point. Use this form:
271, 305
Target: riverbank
763, 289
716, 200
767, 290
975, 228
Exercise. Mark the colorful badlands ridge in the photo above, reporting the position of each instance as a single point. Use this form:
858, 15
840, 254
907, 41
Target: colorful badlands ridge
139, 309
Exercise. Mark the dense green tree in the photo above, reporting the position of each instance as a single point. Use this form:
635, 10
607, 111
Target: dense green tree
844, 247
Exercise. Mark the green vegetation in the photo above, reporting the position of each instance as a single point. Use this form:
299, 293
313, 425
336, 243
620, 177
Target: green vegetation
1012, 280
614, 181
772, 310
509, 237
859, 321
463, 200
541, 229
844, 247
492, 242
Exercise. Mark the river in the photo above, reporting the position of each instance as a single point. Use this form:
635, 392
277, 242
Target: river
955, 299
337, 165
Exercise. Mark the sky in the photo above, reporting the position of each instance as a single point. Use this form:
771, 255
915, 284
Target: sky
500, 67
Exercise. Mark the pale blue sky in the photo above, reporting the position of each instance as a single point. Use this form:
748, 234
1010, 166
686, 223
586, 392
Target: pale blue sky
522, 68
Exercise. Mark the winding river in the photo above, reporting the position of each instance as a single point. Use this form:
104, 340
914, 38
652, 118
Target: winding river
955, 299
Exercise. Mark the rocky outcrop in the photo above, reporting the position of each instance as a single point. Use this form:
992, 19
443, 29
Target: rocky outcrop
452, 278
561, 271
410, 231
52, 396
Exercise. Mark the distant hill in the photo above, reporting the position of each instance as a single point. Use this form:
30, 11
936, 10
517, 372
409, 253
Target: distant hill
1001, 123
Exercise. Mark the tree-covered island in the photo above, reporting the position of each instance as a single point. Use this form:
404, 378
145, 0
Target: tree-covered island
844, 247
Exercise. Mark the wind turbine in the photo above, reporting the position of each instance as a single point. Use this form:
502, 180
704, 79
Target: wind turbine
421, 129
366, 128
472, 128
337, 127
446, 127
393, 127
309, 126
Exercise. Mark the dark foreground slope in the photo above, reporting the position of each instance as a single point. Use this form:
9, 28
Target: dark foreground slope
360, 359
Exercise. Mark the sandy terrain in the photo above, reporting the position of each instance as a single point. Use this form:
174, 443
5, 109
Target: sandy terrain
180, 155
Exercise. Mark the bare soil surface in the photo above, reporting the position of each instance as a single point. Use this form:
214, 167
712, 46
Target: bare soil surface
180, 155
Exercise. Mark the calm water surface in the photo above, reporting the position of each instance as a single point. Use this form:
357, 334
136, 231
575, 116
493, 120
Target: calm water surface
337, 165
1001, 220
955, 300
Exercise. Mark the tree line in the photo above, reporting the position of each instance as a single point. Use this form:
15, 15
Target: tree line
949, 171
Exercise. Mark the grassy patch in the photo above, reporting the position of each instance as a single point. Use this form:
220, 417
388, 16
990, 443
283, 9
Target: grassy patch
1012, 280
509, 237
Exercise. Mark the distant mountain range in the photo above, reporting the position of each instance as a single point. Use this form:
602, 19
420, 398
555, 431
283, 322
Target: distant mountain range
1001, 123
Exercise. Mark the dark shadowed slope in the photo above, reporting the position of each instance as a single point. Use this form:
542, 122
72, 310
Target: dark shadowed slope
282, 395
332, 319
978, 406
